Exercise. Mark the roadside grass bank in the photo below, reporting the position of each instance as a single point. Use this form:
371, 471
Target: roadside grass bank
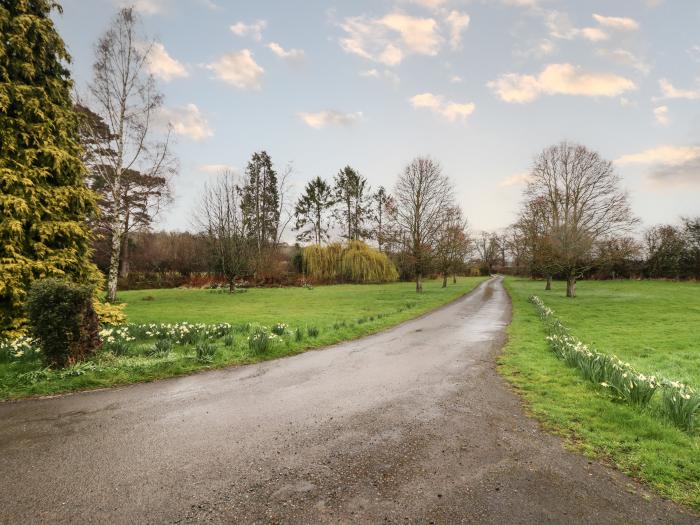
651, 325
179, 331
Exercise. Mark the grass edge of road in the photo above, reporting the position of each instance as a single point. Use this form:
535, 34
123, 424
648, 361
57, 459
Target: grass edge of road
648, 450
119, 372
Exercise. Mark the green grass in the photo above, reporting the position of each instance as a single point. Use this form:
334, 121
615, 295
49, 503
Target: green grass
652, 325
337, 313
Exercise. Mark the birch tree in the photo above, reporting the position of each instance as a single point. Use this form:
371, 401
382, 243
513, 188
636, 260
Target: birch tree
124, 96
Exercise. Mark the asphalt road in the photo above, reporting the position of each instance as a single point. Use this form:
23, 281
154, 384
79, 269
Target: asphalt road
412, 425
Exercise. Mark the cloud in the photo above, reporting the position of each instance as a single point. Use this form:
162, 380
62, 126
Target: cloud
386, 74
458, 22
253, 30
671, 165
559, 79
668, 155
661, 115
617, 22
162, 65
532, 4
518, 179
430, 4
670, 92
451, 111
145, 7
291, 55
560, 26
188, 121
389, 39
238, 69
627, 58
321, 119
456, 79
216, 168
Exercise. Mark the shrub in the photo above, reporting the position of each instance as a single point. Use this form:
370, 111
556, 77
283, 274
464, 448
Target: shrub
205, 351
63, 320
109, 314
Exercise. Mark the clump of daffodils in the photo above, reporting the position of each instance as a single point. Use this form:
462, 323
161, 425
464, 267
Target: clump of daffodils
680, 402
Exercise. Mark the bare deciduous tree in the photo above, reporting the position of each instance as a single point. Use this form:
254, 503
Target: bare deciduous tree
582, 204
221, 221
125, 98
423, 194
453, 244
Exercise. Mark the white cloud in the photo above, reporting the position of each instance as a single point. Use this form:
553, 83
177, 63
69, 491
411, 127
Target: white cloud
389, 39
162, 65
456, 79
518, 179
145, 7
291, 55
617, 22
458, 22
452, 111
671, 165
188, 121
321, 119
559, 79
627, 58
253, 30
669, 91
661, 115
430, 4
386, 74
594, 34
670, 155
238, 69
523, 3
216, 168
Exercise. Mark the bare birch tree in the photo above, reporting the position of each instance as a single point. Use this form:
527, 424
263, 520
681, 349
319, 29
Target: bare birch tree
423, 194
582, 204
124, 96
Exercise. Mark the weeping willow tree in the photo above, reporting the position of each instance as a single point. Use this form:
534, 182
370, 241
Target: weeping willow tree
353, 262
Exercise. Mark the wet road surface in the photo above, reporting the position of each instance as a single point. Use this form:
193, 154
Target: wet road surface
412, 425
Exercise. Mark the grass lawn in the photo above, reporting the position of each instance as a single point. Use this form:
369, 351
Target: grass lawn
336, 313
655, 326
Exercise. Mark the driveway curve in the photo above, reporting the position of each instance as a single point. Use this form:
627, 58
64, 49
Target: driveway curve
412, 425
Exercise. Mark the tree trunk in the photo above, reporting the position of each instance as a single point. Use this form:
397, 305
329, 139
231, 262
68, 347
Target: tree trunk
124, 258
571, 286
419, 283
232, 286
454, 278
113, 274
444, 280
549, 282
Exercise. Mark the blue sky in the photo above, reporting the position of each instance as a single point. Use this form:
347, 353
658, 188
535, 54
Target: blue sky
482, 86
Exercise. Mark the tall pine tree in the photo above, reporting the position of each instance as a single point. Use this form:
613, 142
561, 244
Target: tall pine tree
44, 202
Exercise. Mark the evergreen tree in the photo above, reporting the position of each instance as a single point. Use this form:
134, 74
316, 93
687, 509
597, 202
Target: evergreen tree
353, 201
260, 205
383, 206
311, 211
44, 202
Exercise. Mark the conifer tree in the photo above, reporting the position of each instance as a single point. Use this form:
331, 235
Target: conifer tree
44, 202
311, 211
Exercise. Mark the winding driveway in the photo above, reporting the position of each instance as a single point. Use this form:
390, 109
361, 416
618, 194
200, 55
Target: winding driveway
412, 425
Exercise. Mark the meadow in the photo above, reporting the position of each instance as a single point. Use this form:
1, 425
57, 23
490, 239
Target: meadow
179, 331
653, 326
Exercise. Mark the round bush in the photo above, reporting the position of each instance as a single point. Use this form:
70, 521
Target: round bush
63, 319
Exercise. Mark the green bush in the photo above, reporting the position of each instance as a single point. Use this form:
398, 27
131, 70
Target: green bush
63, 320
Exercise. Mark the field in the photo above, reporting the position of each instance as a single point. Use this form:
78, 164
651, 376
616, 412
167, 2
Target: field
653, 325
314, 317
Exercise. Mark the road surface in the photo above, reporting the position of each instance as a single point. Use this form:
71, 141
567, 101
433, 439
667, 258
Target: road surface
412, 425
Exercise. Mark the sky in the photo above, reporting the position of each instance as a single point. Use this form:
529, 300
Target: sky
481, 86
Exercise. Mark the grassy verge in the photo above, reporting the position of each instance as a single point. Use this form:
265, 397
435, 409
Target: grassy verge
653, 326
314, 317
